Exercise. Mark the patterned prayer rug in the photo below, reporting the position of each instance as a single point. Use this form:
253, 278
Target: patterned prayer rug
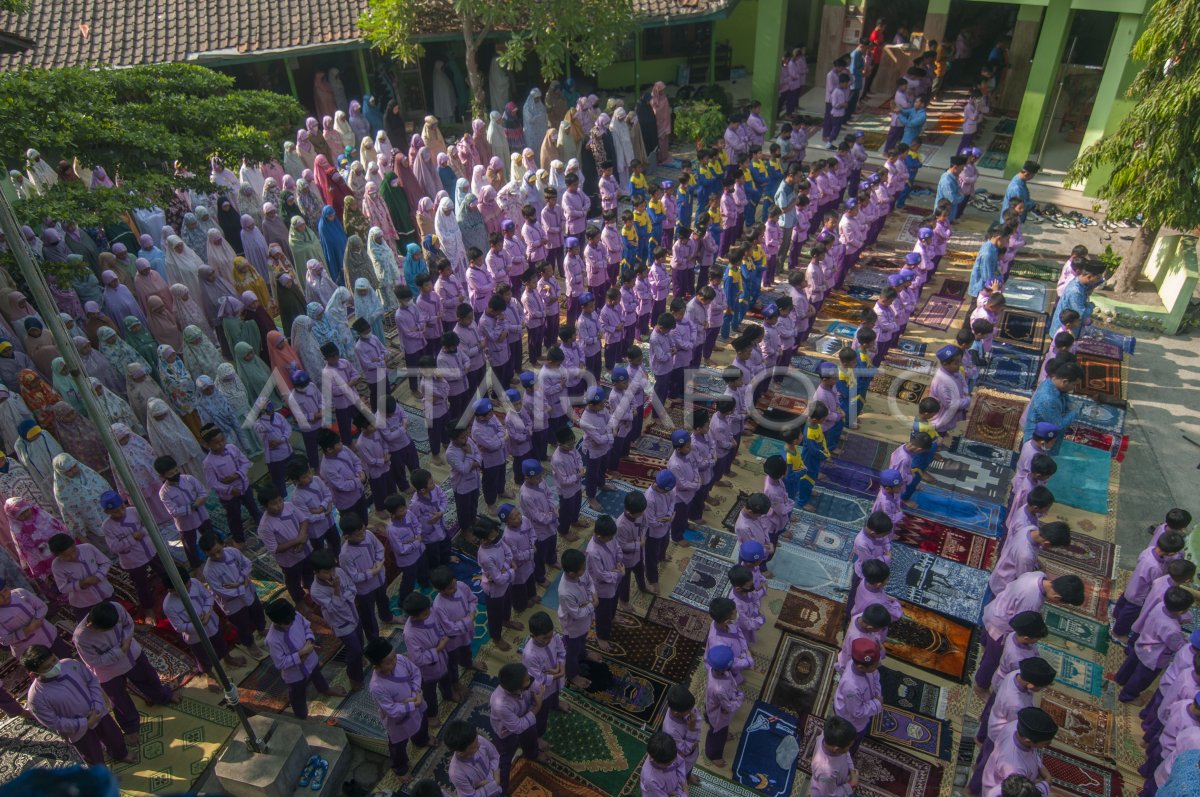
704, 577
27, 745
598, 746
1081, 724
1082, 478
1011, 370
763, 447
885, 384
1103, 417
1074, 671
907, 364
883, 771
871, 278
948, 542
938, 312
635, 695
690, 622
850, 478
649, 646
1098, 347
868, 451
638, 469
861, 293
913, 348
1023, 329
841, 329
806, 363
1101, 375
996, 155
979, 517
775, 422
713, 786
848, 510
766, 756
264, 688
1127, 343
972, 477
954, 288
1096, 590
984, 452
718, 543
840, 306
532, 779
1078, 776
707, 381
794, 566
652, 446
801, 676
810, 615
821, 535
612, 499
1085, 554
936, 583
996, 418
358, 714
912, 694
174, 664
1025, 294
909, 731
828, 344
1086, 435
932, 642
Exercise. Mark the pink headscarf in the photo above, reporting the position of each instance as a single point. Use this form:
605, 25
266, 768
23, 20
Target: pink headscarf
483, 151
376, 211
147, 283
331, 185
490, 209
426, 172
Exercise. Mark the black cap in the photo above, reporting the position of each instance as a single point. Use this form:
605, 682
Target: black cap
1036, 725
1037, 671
1028, 624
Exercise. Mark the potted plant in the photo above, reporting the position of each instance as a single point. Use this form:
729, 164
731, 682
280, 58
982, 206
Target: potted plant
699, 121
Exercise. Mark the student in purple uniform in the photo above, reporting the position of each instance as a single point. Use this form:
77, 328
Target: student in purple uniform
873, 589
428, 507
1018, 753
343, 472
519, 539
518, 432
488, 435
621, 412
404, 541
514, 707
334, 593
568, 467
588, 334
1016, 691
682, 722
67, 698
455, 607
1151, 564
833, 772
774, 469
499, 569
873, 541
724, 630
292, 645
687, 483
313, 500
606, 572
631, 541
1177, 520
887, 499
340, 377
1161, 636
455, 367
227, 573
362, 558
597, 442
396, 688
106, 644
474, 769
1180, 573
178, 617
722, 699
494, 336
425, 642
747, 595
664, 772
754, 524
859, 695
544, 657
659, 514
1020, 552
227, 472
401, 450
466, 465
471, 344
276, 433
127, 538
1027, 593
284, 531
372, 358
538, 508
304, 401
577, 602
872, 624
1019, 644
80, 572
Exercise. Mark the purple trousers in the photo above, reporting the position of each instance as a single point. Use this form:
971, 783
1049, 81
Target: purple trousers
656, 553
105, 736
1125, 614
219, 647
714, 742
568, 513
499, 611
369, 605
595, 473
398, 751
1135, 677
145, 679
637, 570
353, 645
989, 661
298, 692
507, 746
606, 611
249, 619
975, 786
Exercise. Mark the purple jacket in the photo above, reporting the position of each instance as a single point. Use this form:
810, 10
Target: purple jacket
202, 599
474, 776
422, 639
62, 704
456, 615
102, 651
229, 580
511, 715
859, 697
337, 603
404, 538
398, 696
372, 453
343, 473
314, 504
284, 645
118, 534
358, 559
489, 437
275, 433
89, 564
575, 610
496, 562
278, 530
180, 499
520, 542
424, 507
538, 507
464, 466
566, 466
603, 563
539, 660
22, 609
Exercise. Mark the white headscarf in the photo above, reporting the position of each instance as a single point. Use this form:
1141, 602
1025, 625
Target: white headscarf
446, 227
170, 437
306, 345
78, 497
183, 267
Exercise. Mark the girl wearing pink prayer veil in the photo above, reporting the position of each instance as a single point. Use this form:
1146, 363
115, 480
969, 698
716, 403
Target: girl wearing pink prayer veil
376, 211
162, 324
478, 179
304, 149
332, 137
426, 172
415, 145
490, 209
483, 150
188, 312
147, 283
662, 116
140, 457
31, 528
331, 185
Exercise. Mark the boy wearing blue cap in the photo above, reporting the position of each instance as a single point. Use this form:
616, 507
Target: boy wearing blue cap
466, 466
723, 697
754, 524
567, 465
887, 500
538, 508
949, 387
621, 412
926, 253
594, 422
588, 335
488, 435
1045, 435
518, 432
747, 590
658, 516
687, 483
493, 335
520, 538
662, 360
127, 539
612, 330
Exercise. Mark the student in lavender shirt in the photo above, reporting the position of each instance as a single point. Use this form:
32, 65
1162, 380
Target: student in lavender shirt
1027, 593
859, 695
205, 607
753, 524
747, 594
519, 539
1019, 644
621, 412
664, 773
682, 722
873, 623
454, 607
659, 514
499, 570
488, 435
887, 499
607, 572
514, 706
340, 378
127, 538
276, 433
774, 469
687, 483
284, 532
631, 542
227, 472
333, 591
518, 432
1020, 552
184, 497
426, 641
404, 541
1180, 573
724, 630
1161, 636
474, 769
597, 442
539, 509
455, 365
722, 698
466, 465
106, 644
435, 404
1018, 753
313, 500
873, 589
544, 657
305, 403
66, 698
428, 507
873, 541
577, 602
227, 573
343, 472
362, 558
371, 451
833, 772
1177, 520
80, 573
1151, 564
566, 463
23, 624
292, 645
397, 689
411, 329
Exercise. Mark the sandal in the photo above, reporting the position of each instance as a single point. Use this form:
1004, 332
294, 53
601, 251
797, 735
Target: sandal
309, 769
318, 777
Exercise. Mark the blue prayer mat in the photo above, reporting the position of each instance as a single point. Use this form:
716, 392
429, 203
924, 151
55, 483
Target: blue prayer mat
767, 751
1082, 477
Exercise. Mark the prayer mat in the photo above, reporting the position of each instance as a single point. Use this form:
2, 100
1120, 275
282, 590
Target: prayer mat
603, 749
774, 422
651, 446
908, 364
822, 535
414, 421
807, 363
1082, 477
936, 583
785, 402
177, 744
766, 755
907, 692
611, 498
827, 344
849, 477
1081, 725
841, 306
793, 566
174, 664
1127, 343
1086, 435
638, 469
948, 542
978, 517
885, 384
532, 779
932, 642
996, 155
27, 745
863, 450
1101, 375
1074, 671
1085, 554
883, 771
707, 381
713, 786
1011, 370
633, 694
713, 541
871, 278
984, 452
1023, 329
763, 447
358, 714
813, 616
705, 577
264, 688
1025, 294
1098, 347
938, 312
1035, 270
1096, 590
861, 293
848, 510
841, 329
794, 385
908, 731
1102, 417
972, 477
953, 288
1078, 776
649, 646
996, 418
914, 348
801, 676
690, 622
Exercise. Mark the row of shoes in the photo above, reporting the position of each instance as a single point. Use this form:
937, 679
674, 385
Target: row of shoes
314, 773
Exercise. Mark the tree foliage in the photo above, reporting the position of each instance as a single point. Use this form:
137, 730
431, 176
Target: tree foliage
1155, 152
136, 123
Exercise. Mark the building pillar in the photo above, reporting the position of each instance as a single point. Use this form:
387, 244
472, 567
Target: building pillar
1042, 83
770, 30
935, 21
291, 76
829, 42
1020, 56
1111, 104
364, 75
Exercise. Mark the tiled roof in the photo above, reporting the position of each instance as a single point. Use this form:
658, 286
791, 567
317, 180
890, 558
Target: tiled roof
132, 32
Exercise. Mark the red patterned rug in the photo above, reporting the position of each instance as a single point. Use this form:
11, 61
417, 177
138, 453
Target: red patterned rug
947, 542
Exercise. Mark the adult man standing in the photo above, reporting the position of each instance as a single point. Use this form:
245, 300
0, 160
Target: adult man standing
948, 186
858, 66
1018, 188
